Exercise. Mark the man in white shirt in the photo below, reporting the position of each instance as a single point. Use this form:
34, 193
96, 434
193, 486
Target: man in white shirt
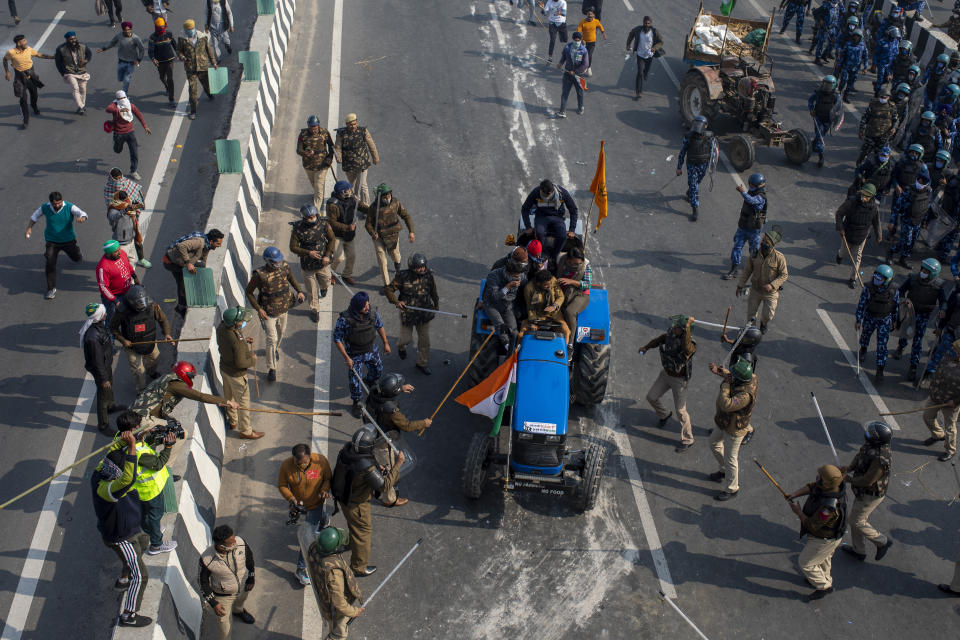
645, 41
556, 12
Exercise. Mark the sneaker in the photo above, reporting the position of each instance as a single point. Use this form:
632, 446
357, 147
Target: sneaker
944, 457
51, 294
192, 116
146, 264
122, 583
134, 620
580, 111
303, 577
561, 114
588, 73
136, 176
166, 547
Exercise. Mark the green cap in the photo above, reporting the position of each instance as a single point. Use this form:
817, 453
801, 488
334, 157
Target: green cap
775, 235
679, 321
383, 187
869, 189
235, 315
110, 246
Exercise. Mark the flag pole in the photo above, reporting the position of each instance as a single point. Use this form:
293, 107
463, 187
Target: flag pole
462, 373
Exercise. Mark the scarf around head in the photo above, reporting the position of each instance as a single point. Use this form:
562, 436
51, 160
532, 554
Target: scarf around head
97, 316
123, 106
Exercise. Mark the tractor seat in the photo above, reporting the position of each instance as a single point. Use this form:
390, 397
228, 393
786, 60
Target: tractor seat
729, 67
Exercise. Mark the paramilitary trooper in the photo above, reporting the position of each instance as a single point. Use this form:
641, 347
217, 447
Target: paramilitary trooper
383, 407
700, 149
902, 63
935, 78
315, 148
794, 8
911, 213
869, 475
927, 135
334, 585
828, 18
878, 124
855, 219
877, 310
851, 59
766, 273
922, 296
416, 287
876, 170
356, 477
823, 518
825, 108
676, 358
905, 173
735, 403
354, 336
313, 241
884, 54
383, 225
753, 215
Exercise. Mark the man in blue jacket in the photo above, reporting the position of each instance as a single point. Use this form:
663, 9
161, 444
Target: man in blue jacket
118, 519
574, 62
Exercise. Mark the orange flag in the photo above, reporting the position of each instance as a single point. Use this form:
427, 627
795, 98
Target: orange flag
599, 187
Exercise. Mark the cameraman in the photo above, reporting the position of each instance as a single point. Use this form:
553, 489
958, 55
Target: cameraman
304, 481
153, 479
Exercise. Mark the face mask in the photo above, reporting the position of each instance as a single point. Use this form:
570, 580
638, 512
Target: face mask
311, 221
924, 275
878, 280
939, 165
913, 157
243, 324
919, 186
191, 33
883, 99
765, 249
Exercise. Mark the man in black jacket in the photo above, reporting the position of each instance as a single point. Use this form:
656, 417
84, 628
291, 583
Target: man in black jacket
71, 59
548, 203
855, 219
646, 43
118, 519
98, 360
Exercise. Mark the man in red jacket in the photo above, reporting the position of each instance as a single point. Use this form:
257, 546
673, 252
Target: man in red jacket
115, 275
123, 112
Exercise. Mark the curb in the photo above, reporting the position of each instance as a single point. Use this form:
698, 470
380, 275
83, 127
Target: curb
172, 598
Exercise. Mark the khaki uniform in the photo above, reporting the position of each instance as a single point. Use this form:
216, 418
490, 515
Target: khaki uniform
343, 248
197, 58
355, 151
676, 381
761, 271
236, 356
275, 298
735, 406
391, 418
419, 291
335, 589
871, 475
359, 521
816, 558
222, 580
388, 227
316, 275
316, 152
944, 387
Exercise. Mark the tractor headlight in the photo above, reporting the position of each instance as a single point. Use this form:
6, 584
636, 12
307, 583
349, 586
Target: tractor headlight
525, 436
554, 438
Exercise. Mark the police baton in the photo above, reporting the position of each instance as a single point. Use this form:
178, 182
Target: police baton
367, 415
823, 423
366, 603
775, 483
437, 311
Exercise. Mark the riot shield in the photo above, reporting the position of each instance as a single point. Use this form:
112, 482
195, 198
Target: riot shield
385, 456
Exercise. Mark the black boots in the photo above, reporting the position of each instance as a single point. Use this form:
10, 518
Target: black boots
729, 275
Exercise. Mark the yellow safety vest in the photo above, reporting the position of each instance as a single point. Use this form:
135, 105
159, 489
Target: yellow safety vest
149, 484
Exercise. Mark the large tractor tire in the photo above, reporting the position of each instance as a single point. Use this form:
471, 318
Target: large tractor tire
694, 98
475, 466
590, 372
589, 488
741, 151
797, 148
488, 359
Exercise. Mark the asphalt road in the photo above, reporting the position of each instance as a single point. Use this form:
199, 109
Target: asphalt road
462, 120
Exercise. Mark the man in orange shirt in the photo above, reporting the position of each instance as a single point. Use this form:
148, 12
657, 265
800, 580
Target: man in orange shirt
25, 79
304, 481
589, 27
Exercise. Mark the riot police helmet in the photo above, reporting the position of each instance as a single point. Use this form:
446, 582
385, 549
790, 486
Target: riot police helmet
136, 298
877, 432
364, 438
417, 261
699, 124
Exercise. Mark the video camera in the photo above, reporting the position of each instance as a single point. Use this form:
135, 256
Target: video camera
296, 510
158, 435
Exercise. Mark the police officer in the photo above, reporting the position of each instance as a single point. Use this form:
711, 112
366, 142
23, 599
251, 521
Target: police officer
944, 390
911, 212
902, 105
927, 136
735, 404
334, 585
884, 54
877, 310
383, 225
312, 239
315, 148
676, 357
922, 295
136, 320
934, 78
699, 147
905, 173
355, 151
823, 518
356, 478
753, 215
823, 104
236, 358
794, 8
828, 17
767, 272
902, 63
869, 475
342, 217
851, 59
747, 341
876, 170
416, 287
855, 218
548, 203
273, 299
383, 407
354, 334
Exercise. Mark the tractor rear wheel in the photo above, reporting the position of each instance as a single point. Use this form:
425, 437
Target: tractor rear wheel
590, 372
694, 97
589, 488
742, 153
797, 147
475, 466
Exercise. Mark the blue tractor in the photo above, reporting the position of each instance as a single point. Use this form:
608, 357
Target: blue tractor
549, 378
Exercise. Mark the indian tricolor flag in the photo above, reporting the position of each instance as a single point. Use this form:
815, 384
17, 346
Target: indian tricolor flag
493, 394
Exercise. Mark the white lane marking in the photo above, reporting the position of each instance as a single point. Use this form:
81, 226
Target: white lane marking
627, 4
851, 360
163, 161
312, 623
37, 553
49, 30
